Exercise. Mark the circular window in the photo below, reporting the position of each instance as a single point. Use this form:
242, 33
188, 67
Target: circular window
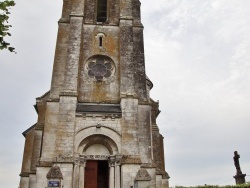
100, 68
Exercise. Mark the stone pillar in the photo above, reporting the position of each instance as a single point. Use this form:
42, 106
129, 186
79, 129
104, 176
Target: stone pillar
76, 173
82, 164
112, 172
118, 171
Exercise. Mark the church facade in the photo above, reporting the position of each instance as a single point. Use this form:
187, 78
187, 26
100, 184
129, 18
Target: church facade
96, 126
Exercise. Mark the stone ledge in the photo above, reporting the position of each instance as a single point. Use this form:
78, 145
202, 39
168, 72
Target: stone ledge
69, 93
148, 165
139, 25
126, 18
53, 100
26, 174
63, 20
73, 14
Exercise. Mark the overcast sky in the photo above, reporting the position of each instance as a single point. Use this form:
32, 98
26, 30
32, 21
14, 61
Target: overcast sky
198, 57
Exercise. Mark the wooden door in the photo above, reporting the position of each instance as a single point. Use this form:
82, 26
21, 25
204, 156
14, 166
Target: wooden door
90, 179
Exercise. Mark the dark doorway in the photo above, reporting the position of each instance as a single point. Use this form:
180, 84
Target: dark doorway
96, 174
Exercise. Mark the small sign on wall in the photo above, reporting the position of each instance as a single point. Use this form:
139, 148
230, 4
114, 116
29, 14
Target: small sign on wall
53, 183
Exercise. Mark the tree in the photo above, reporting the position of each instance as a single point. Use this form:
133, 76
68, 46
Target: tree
4, 26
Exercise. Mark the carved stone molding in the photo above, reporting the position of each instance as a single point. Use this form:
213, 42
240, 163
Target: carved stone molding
112, 160
118, 159
131, 159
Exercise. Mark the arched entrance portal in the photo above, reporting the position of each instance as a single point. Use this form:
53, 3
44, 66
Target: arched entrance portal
99, 162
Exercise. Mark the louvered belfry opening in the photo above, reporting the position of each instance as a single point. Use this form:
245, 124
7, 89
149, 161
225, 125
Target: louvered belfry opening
101, 10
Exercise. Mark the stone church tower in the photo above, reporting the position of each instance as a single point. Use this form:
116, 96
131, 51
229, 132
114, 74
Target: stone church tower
96, 126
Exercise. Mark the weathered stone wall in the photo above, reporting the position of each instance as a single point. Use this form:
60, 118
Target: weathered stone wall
159, 181
27, 154
144, 133
130, 144
126, 58
89, 11
73, 54
77, 7
99, 91
66, 124
60, 60
41, 109
85, 122
157, 150
67, 172
50, 130
136, 12
139, 69
152, 173
41, 180
126, 9
24, 182
36, 148
128, 174
32, 181
114, 11
66, 10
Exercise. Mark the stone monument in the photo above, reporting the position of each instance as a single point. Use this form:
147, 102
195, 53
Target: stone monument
96, 126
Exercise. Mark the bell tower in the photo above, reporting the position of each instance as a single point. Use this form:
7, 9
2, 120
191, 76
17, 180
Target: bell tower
96, 126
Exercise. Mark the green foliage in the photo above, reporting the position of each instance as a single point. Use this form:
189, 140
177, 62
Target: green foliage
246, 185
4, 26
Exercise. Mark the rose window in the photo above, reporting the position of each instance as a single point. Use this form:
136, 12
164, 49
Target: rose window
100, 68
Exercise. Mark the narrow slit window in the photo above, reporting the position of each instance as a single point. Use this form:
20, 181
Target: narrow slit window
101, 10
100, 41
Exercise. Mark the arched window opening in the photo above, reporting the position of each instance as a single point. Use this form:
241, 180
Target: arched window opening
101, 10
